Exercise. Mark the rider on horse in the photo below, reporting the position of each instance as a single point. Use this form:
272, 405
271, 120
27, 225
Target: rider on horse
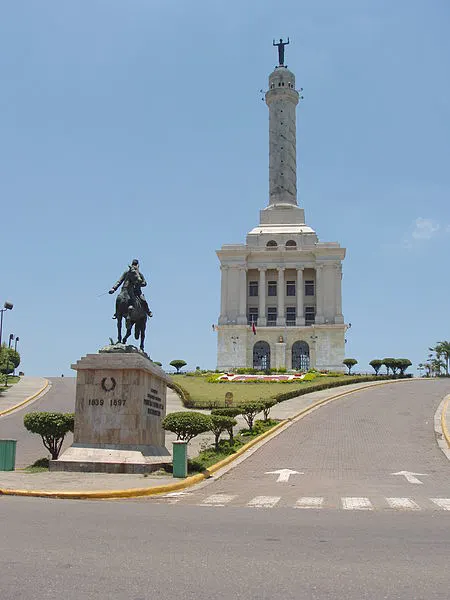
133, 280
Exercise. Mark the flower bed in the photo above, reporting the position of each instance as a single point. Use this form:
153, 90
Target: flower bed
276, 377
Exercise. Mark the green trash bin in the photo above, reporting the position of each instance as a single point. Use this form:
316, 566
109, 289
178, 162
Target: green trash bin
7, 455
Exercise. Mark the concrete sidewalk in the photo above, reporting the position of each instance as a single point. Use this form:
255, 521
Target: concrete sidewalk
69, 482
26, 388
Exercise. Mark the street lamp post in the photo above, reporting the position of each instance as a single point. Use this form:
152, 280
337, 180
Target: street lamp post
15, 350
6, 306
11, 337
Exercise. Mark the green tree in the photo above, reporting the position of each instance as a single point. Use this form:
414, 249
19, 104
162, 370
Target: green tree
442, 351
52, 427
249, 410
157, 363
9, 360
267, 405
349, 363
178, 364
219, 424
390, 365
403, 364
376, 364
187, 425
230, 411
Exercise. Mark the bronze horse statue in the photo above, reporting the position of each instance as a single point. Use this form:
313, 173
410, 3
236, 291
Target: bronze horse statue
129, 306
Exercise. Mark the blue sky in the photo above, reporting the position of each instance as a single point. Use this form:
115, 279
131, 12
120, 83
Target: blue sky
137, 129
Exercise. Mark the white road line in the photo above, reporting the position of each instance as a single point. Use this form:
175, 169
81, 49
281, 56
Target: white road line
307, 502
264, 501
356, 504
402, 503
217, 500
442, 502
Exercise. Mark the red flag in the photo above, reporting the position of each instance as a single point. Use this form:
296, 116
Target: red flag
253, 327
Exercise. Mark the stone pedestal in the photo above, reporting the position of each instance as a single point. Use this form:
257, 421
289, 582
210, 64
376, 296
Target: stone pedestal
120, 403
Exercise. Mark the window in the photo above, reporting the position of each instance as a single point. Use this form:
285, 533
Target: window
310, 315
253, 288
290, 315
271, 315
272, 288
291, 245
309, 288
290, 288
271, 244
252, 315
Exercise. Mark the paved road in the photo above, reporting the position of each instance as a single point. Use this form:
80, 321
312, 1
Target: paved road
60, 398
169, 548
140, 551
346, 454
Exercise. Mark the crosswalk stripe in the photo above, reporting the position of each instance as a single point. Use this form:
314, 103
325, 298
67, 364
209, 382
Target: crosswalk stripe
442, 502
217, 500
356, 504
309, 502
402, 503
264, 501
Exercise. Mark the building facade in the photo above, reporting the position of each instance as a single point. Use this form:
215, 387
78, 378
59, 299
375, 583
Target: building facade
281, 297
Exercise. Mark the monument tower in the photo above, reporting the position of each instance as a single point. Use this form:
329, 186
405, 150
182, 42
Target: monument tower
281, 299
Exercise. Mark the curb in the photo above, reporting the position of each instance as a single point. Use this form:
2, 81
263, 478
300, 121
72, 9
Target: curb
193, 479
445, 430
29, 399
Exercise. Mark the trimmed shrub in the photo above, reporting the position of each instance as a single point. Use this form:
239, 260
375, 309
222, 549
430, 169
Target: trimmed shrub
249, 410
187, 425
267, 405
52, 427
219, 424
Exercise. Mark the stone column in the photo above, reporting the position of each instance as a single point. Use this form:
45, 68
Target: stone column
281, 292
338, 290
280, 354
319, 294
262, 319
300, 320
242, 317
223, 295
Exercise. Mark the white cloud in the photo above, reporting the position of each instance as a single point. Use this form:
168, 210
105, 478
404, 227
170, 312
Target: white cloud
425, 229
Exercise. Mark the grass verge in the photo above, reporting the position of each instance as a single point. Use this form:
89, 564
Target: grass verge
210, 456
39, 466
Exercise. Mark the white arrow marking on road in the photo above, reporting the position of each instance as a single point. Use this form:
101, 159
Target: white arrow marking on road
283, 474
410, 476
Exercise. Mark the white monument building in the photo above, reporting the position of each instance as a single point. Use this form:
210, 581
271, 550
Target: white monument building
281, 299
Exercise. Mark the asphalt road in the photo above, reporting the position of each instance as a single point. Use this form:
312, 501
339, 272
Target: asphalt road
135, 551
186, 547
59, 398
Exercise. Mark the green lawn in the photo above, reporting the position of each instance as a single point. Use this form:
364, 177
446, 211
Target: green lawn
203, 393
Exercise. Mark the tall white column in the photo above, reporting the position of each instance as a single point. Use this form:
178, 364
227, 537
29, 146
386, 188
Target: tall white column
282, 99
242, 317
300, 320
319, 294
262, 319
223, 318
281, 293
338, 290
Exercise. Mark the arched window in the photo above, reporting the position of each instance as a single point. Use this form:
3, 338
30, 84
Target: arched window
271, 244
261, 356
291, 245
300, 356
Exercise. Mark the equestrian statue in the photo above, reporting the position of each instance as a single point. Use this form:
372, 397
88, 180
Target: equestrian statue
131, 304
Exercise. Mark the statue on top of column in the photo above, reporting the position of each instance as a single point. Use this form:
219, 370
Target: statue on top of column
281, 46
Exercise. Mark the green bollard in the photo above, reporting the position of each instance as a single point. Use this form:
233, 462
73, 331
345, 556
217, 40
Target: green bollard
7, 455
179, 458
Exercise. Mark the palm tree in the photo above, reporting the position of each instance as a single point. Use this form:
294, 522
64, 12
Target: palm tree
443, 349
